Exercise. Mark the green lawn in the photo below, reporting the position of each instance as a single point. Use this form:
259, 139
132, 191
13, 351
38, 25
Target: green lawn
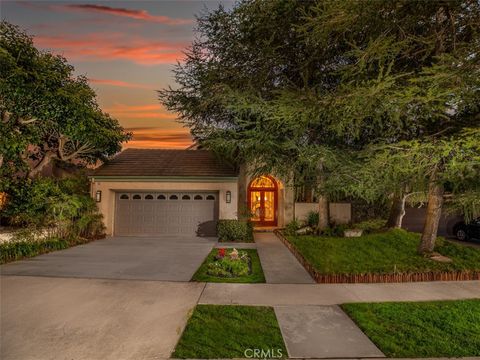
381, 253
422, 329
219, 331
255, 277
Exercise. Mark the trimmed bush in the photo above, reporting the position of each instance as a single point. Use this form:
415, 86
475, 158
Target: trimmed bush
235, 230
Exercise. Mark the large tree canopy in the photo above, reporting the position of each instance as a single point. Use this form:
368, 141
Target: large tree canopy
47, 112
293, 85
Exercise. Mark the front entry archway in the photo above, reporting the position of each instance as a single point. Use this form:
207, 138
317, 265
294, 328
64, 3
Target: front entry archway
263, 200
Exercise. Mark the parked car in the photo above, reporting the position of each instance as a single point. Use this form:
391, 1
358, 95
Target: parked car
465, 232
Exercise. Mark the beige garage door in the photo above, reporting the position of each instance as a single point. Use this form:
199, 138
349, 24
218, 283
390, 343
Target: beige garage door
166, 213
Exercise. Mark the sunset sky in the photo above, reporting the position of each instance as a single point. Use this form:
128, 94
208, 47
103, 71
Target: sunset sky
126, 48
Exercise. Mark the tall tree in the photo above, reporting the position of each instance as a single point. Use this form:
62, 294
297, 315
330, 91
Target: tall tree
47, 113
286, 82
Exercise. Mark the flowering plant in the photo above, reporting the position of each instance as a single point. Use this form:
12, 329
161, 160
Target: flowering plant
221, 253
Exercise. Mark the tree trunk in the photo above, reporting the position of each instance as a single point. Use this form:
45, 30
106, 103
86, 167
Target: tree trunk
41, 165
323, 213
397, 212
434, 212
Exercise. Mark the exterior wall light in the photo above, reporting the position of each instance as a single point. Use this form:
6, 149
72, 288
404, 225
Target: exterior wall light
228, 197
98, 196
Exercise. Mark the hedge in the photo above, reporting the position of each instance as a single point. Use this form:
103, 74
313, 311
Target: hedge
235, 230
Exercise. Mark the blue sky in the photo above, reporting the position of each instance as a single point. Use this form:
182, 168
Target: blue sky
126, 48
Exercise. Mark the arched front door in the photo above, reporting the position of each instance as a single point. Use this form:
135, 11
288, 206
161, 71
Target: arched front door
263, 200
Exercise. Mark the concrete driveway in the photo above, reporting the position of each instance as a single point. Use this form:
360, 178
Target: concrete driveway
92, 319
168, 258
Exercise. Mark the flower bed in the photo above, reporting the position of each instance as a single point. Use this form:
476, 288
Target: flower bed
231, 265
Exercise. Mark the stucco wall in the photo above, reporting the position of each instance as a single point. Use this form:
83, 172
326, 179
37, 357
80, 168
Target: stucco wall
340, 213
108, 189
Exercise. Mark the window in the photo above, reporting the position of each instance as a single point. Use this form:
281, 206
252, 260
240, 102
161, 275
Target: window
173, 197
198, 197
124, 197
186, 197
149, 197
137, 197
210, 197
262, 182
161, 197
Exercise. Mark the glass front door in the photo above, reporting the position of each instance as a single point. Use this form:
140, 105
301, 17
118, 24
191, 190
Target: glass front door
262, 200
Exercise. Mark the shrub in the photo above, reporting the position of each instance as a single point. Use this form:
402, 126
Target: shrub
335, 230
369, 226
292, 227
235, 230
312, 219
63, 206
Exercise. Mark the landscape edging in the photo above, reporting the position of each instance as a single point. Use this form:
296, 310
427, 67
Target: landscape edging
375, 278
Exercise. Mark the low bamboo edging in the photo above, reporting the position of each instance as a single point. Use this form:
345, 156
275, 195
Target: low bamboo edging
376, 278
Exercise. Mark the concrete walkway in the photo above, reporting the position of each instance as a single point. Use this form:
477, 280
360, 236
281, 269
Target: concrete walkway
278, 263
322, 331
332, 294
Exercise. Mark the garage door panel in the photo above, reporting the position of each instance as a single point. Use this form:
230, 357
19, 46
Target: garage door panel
166, 213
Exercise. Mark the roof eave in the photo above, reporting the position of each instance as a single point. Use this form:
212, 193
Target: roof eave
118, 178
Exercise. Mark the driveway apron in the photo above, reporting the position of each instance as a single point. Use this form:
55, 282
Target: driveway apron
59, 318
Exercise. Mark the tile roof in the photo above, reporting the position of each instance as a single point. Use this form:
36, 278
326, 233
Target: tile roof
163, 162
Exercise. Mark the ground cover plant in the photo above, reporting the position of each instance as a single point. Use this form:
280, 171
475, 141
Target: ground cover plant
389, 252
17, 250
230, 265
422, 329
219, 331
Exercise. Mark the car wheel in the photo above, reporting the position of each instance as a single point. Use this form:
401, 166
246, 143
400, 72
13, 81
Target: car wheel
461, 234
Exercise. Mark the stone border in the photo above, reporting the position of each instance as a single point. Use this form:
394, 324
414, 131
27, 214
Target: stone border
375, 278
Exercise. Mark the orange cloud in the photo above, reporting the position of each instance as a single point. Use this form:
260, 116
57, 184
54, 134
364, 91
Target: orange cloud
159, 138
94, 47
130, 13
120, 83
153, 111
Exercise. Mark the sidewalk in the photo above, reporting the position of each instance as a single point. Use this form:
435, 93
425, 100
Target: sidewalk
333, 294
278, 263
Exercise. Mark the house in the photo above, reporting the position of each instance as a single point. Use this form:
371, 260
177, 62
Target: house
160, 191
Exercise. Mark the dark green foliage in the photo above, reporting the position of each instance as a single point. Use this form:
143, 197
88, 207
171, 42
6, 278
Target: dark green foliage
47, 113
254, 276
335, 230
61, 206
381, 253
17, 250
219, 331
235, 230
423, 329
312, 219
370, 226
292, 227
